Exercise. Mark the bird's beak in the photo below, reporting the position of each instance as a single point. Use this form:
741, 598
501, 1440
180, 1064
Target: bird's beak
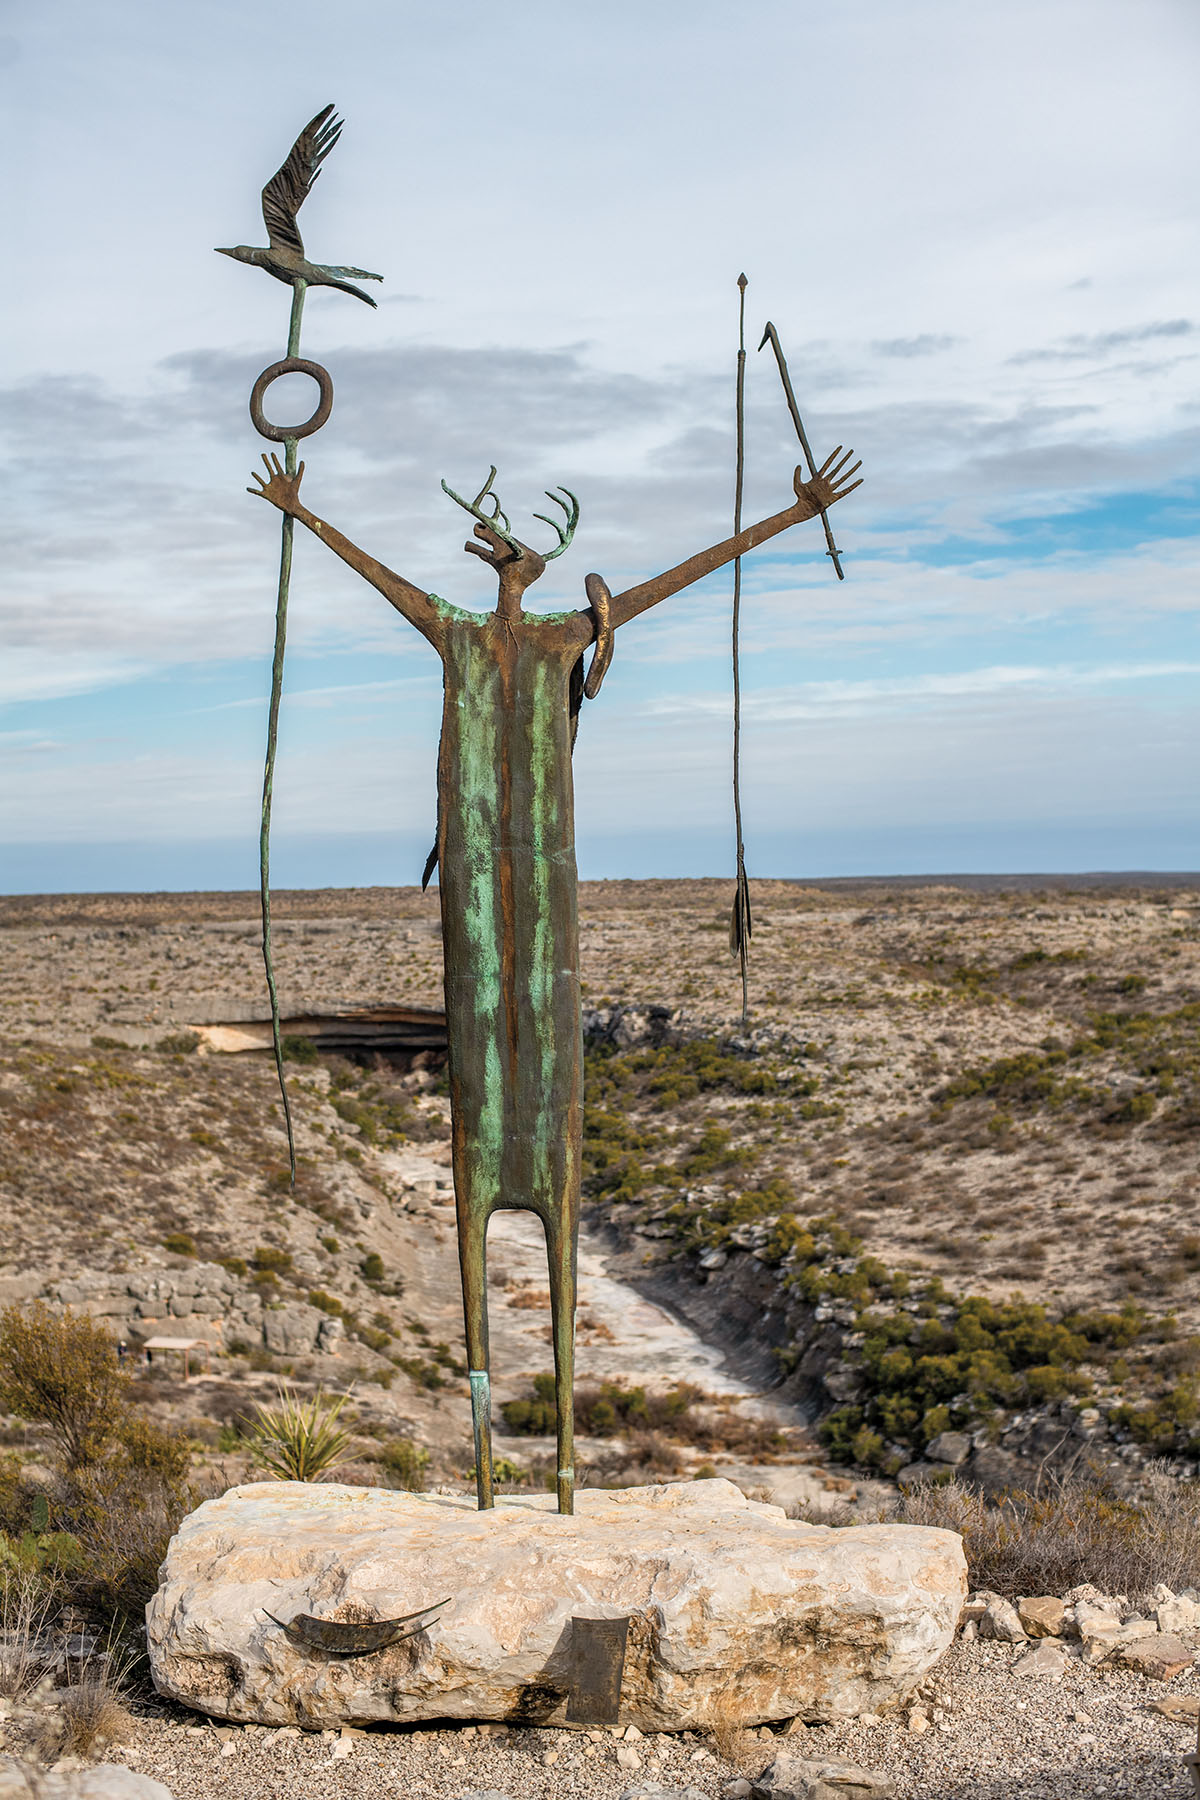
221, 252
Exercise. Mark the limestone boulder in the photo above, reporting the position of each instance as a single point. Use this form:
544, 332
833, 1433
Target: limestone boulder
292, 1330
109, 1781
726, 1598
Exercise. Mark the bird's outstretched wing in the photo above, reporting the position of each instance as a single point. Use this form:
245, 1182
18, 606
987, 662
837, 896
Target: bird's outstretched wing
291, 185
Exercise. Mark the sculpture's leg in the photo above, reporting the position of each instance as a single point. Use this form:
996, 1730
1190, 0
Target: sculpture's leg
562, 1253
472, 1257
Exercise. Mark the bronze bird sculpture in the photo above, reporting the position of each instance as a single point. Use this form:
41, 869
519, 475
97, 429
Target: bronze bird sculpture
282, 199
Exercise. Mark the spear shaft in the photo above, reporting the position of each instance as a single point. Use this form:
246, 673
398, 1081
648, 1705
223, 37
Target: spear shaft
739, 925
771, 336
264, 837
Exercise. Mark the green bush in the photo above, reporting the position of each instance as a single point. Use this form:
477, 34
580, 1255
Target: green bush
299, 1050
404, 1464
371, 1267
61, 1370
180, 1243
269, 1260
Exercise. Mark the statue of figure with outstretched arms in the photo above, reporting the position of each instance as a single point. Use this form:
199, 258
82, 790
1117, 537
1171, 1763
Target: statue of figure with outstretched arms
513, 684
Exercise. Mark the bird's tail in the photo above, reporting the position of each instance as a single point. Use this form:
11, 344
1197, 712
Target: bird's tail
347, 287
348, 273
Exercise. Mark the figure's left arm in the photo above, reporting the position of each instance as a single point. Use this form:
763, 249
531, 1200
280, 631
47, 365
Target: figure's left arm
831, 483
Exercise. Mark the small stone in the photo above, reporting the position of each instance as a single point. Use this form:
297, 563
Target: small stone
1043, 1617
632, 1734
1047, 1659
1161, 1657
1185, 1708
229, 1749
1176, 1613
1000, 1621
917, 1721
627, 1757
795, 1728
551, 1756
736, 1790
949, 1447
342, 1749
970, 1631
792, 1777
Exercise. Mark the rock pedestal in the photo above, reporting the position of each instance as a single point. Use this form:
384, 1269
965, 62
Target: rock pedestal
735, 1610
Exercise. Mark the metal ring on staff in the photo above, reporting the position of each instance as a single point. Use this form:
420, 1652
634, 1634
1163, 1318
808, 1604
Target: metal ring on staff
291, 365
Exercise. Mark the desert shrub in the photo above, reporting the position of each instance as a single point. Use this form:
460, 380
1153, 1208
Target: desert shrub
269, 1259
122, 1510
404, 1464
91, 1712
179, 1243
612, 1409
299, 1440
326, 1303
178, 1043
1074, 1530
26, 1610
371, 1267
61, 1370
299, 1050
424, 1373
921, 1374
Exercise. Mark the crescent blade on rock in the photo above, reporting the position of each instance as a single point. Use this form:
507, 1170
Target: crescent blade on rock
337, 1637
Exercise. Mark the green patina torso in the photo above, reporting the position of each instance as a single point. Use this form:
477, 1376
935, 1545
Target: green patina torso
506, 856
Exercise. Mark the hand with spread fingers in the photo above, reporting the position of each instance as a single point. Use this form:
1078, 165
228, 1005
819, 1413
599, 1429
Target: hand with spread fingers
281, 489
830, 483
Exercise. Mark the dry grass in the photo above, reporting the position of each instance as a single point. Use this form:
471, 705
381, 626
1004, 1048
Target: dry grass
730, 1740
91, 1713
25, 1606
1073, 1530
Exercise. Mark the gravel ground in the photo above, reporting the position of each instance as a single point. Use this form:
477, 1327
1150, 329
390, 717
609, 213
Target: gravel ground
992, 1736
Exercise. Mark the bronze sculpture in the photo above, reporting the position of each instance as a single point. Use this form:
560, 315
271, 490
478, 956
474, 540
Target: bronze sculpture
506, 849
513, 686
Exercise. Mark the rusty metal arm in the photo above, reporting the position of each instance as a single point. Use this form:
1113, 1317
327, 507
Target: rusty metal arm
812, 498
283, 491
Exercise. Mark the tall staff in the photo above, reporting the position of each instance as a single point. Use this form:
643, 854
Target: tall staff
283, 257
740, 924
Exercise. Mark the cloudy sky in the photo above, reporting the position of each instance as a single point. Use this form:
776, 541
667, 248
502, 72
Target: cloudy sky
974, 227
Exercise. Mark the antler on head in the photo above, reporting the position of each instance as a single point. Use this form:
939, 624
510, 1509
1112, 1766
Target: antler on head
497, 520
567, 532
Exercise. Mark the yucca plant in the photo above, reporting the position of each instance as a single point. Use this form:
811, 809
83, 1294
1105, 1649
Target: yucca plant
299, 1440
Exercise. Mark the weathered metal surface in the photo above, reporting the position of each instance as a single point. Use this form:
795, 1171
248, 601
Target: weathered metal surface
600, 601
283, 255
284, 258
597, 1667
506, 849
741, 924
336, 1637
291, 365
771, 336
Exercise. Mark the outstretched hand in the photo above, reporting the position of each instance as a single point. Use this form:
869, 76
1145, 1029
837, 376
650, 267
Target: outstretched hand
280, 488
829, 483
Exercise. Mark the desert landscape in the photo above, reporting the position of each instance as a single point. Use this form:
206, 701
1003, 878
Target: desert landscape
926, 1217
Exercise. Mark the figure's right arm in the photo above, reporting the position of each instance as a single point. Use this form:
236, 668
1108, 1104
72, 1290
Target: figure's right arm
283, 491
